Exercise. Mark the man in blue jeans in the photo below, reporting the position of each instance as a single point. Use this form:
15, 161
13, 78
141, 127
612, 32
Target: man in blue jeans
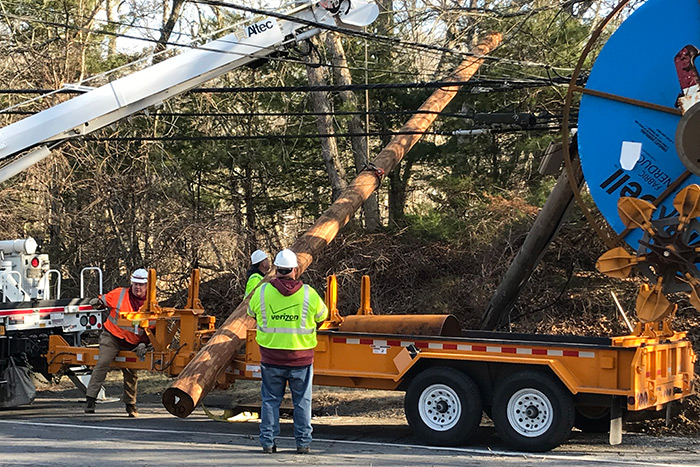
287, 312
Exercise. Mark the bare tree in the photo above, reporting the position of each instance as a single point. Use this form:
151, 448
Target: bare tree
168, 25
355, 126
324, 122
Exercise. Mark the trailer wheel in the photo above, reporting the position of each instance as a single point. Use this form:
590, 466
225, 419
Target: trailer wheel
592, 419
532, 411
443, 406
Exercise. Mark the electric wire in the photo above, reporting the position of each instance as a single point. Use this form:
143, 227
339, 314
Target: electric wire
482, 85
347, 31
370, 36
192, 46
303, 136
313, 114
210, 2
137, 27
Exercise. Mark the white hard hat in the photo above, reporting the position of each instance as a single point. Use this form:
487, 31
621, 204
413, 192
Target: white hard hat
286, 259
258, 256
140, 276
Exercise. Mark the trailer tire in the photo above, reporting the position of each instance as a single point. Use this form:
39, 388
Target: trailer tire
443, 406
533, 411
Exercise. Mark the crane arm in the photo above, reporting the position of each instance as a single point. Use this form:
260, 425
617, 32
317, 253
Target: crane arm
152, 85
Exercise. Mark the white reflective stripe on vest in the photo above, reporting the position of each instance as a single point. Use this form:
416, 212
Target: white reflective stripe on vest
263, 311
286, 330
304, 313
305, 306
113, 319
319, 315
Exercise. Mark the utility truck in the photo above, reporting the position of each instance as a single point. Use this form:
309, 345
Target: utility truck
32, 309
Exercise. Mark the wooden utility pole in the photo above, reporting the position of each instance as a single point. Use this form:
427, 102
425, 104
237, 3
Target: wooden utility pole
199, 376
543, 231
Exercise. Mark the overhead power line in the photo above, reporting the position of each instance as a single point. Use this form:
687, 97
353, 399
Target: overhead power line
539, 117
282, 16
370, 36
484, 85
307, 136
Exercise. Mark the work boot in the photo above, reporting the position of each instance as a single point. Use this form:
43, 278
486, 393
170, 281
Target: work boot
90, 404
269, 449
132, 410
303, 449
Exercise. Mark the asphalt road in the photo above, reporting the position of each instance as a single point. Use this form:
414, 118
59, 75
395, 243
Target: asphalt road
54, 431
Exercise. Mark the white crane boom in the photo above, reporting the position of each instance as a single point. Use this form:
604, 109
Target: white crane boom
152, 85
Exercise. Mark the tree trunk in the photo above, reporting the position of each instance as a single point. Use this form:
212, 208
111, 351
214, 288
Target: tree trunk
355, 126
397, 196
111, 40
167, 29
324, 123
200, 374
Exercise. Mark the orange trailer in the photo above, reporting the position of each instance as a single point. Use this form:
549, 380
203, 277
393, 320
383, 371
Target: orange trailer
534, 387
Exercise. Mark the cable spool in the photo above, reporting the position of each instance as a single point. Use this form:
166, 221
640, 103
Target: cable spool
640, 153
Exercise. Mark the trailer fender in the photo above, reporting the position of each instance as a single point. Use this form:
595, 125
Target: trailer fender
406, 360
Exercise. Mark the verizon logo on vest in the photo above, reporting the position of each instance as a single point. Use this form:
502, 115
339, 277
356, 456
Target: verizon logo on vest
282, 317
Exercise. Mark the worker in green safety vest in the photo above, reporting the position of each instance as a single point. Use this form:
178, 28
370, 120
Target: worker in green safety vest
260, 265
287, 312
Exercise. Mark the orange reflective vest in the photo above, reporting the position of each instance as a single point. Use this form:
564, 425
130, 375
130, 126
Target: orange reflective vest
118, 301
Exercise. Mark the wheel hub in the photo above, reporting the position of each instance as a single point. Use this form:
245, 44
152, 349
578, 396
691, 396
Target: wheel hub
439, 407
530, 412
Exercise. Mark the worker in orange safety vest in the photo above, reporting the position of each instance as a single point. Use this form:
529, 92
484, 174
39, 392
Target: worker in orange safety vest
115, 338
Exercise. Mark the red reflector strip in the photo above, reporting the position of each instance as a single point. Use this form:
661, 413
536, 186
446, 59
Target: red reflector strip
491, 349
59, 309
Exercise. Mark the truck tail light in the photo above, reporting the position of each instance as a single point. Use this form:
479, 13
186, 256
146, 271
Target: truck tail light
35, 262
83, 320
92, 320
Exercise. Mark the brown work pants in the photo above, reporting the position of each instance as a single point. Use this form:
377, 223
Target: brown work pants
109, 348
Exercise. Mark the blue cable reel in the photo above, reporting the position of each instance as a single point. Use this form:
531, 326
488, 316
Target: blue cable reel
639, 137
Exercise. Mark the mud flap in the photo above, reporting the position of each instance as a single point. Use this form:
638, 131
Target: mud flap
616, 420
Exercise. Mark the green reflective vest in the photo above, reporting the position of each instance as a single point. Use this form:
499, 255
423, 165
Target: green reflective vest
287, 323
252, 282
